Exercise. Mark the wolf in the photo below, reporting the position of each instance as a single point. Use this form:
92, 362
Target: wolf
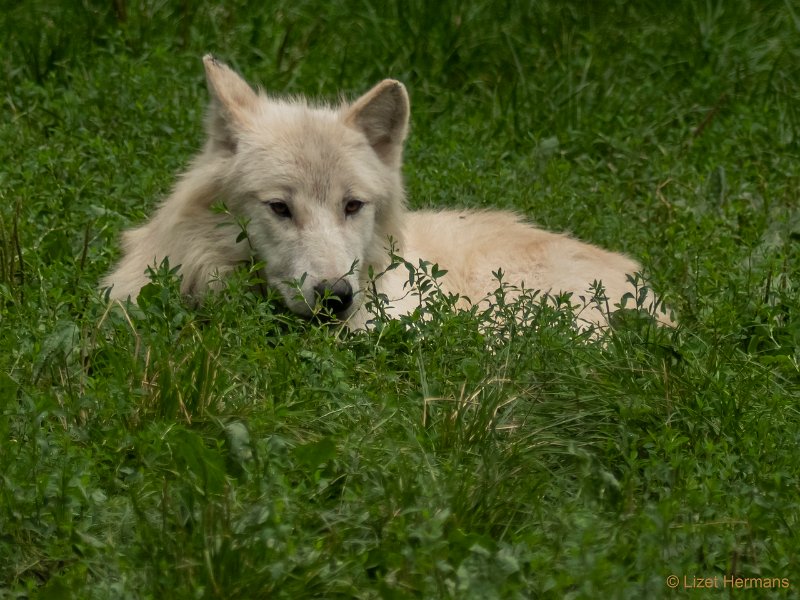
315, 193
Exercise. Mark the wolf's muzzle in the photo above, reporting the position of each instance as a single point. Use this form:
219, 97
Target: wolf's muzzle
334, 297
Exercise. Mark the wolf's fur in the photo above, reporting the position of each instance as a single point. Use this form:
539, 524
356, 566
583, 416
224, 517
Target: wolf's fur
321, 193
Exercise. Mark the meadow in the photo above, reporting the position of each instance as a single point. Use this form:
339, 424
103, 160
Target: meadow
232, 450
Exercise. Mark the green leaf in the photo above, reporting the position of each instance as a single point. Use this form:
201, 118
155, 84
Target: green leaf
57, 346
313, 454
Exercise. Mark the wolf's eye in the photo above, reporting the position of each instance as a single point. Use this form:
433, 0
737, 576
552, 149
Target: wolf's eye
281, 209
352, 206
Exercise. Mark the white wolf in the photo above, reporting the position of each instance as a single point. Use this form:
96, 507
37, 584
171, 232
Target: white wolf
321, 193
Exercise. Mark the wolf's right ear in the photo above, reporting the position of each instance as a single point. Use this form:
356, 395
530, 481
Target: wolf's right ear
232, 103
382, 115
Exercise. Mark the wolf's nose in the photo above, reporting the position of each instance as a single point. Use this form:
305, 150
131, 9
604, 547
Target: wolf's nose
336, 297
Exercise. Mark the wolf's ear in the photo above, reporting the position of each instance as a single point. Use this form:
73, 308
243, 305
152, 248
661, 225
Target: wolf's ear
232, 102
382, 115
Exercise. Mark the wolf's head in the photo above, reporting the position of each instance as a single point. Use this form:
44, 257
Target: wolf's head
320, 189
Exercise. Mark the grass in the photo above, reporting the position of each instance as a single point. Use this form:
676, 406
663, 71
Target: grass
232, 451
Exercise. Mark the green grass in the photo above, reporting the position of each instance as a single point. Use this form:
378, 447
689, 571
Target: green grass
232, 451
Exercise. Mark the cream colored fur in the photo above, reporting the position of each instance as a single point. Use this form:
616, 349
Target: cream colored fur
320, 191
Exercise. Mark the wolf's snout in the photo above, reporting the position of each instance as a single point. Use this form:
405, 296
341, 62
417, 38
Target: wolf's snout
335, 297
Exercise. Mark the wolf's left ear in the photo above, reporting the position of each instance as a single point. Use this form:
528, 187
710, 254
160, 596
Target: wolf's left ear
382, 115
232, 102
